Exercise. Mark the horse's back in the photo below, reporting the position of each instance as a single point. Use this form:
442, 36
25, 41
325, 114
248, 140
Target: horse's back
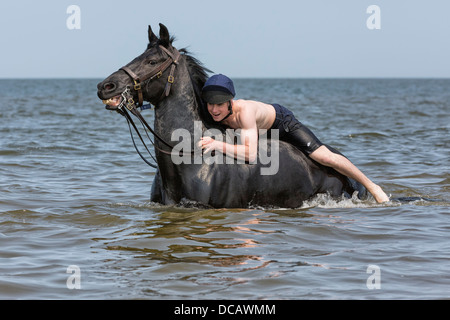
297, 178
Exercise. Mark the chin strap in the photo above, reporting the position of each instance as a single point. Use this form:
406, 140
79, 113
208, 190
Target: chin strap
230, 109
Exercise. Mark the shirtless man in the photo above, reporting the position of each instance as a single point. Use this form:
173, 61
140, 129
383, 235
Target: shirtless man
249, 116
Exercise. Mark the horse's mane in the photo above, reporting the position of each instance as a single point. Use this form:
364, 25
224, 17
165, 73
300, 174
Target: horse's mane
199, 74
197, 71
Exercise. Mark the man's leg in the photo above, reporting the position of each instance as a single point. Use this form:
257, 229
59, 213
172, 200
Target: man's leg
341, 164
301, 137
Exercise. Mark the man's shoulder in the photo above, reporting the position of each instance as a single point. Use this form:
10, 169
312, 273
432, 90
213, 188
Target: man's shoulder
249, 103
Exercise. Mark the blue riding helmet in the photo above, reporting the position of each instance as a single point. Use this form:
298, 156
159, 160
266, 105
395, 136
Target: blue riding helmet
218, 89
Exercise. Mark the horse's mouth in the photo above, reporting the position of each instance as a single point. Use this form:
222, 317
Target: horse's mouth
113, 102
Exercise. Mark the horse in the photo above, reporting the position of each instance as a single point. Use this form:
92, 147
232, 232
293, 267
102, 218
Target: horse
171, 80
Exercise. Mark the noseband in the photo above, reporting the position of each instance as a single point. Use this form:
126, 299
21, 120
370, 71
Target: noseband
171, 61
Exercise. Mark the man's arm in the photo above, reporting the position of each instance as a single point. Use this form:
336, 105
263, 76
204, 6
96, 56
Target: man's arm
341, 164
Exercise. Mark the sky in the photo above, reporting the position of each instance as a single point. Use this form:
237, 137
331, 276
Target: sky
240, 38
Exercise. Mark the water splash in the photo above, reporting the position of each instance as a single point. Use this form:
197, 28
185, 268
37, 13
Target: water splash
326, 201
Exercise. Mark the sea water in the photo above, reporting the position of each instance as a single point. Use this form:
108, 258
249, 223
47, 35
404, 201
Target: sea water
76, 221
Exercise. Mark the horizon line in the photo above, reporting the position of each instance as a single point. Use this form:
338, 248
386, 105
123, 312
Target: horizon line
260, 78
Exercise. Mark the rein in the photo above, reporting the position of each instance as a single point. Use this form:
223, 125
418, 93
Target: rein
128, 102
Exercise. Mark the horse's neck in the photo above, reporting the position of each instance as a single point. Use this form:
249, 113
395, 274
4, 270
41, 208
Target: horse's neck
178, 110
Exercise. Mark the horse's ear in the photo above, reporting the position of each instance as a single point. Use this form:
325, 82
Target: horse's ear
164, 36
152, 38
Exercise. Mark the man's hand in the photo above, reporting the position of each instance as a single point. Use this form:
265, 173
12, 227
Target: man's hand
208, 144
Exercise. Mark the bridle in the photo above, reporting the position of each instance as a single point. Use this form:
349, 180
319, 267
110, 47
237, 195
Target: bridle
132, 106
171, 61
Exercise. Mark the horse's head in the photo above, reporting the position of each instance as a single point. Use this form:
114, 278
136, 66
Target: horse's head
148, 76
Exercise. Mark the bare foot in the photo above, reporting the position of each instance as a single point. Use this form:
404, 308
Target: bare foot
379, 194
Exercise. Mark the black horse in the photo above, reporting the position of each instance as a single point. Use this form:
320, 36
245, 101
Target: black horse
172, 80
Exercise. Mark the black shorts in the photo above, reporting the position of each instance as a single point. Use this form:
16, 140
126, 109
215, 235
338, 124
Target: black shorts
293, 131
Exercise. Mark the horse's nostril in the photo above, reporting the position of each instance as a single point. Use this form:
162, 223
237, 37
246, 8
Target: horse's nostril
109, 86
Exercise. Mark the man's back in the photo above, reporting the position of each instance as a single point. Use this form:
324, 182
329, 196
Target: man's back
248, 110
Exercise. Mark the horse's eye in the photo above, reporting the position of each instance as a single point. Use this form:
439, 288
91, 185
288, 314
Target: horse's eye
152, 62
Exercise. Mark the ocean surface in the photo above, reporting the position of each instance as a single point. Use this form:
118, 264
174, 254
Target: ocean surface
76, 221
